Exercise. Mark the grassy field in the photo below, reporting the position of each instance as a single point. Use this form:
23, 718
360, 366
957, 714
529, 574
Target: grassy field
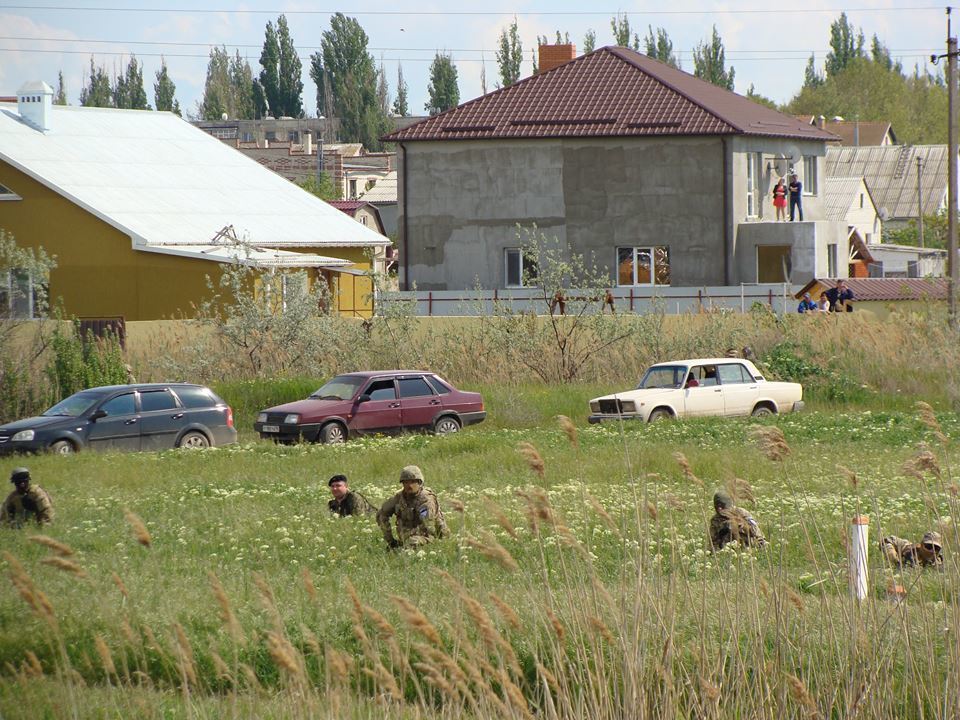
582, 591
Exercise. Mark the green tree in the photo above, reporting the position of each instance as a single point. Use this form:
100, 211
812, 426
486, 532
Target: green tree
659, 46
61, 97
811, 78
400, 106
97, 92
589, 41
442, 90
323, 187
846, 45
129, 92
346, 79
229, 89
761, 99
709, 63
880, 54
510, 54
383, 90
280, 71
622, 34
164, 91
242, 100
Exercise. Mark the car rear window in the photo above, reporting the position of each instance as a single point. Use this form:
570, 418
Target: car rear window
438, 384
196, 397
414, 387
152, 400
734, 374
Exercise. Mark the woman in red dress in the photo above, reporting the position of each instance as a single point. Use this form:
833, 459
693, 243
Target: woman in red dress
780, 200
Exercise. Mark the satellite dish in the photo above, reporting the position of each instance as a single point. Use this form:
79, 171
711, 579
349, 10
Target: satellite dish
884, 214
781, 165
794, 155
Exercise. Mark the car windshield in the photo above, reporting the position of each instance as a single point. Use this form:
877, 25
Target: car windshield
75, 405
663, 376
342, 387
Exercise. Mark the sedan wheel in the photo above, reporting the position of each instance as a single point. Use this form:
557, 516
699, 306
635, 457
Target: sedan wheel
62, 447
659, 414
446, 426
194, 439
333, 434
762, 411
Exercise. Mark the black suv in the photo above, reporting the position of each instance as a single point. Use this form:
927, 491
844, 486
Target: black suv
148, 416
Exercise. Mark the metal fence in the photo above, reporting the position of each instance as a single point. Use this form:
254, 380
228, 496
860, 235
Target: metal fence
671, 300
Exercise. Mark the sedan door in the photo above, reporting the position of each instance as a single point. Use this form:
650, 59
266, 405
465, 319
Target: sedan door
381, 413
707, 397
419, 404
739, 389
119, 429
160, 419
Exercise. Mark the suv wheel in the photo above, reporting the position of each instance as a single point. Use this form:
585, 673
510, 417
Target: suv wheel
333, 433
62, 447
446, 425
193, 439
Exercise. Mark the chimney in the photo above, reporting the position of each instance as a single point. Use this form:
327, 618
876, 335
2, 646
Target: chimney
821, 121
307, 143
552, 56
856, 132
35, 103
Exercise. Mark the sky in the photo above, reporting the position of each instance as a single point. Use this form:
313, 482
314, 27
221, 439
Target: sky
767, 43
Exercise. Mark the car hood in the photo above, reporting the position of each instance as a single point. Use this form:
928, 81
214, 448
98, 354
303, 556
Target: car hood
35, 423
310, 407
638, 395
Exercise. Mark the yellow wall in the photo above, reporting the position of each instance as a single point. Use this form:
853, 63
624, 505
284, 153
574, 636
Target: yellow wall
99, 274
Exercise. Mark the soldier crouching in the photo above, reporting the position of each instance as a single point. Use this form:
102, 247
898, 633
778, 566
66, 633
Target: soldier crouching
733, 524
419, 518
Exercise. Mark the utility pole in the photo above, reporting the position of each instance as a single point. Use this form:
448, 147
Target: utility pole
954, 276
920, 198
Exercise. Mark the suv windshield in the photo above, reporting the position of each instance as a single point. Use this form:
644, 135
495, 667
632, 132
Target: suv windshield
75, 405
342, 387
663, 376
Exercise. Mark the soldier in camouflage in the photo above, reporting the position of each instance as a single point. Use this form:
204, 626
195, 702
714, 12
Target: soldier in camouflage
732, 524
27, 502
419, 518
345, 501
926, 553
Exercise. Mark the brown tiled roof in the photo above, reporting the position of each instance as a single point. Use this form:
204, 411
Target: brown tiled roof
882, 289
611, 92
869, 132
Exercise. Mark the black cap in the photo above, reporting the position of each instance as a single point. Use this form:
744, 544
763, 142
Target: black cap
722, 501
337, 478
19, 475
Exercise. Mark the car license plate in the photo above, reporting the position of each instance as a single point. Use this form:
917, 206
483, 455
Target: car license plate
271, 428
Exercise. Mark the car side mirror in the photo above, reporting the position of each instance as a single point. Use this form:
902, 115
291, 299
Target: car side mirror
363, 399
97, 414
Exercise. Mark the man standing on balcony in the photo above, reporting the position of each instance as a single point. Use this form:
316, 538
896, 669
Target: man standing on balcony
796, 192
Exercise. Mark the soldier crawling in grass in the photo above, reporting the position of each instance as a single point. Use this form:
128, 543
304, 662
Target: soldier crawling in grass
732, 524
903, 553
27, 502
419, 517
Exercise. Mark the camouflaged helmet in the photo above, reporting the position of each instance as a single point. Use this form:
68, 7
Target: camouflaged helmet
722, 501
931, 538
412, 472
19, 475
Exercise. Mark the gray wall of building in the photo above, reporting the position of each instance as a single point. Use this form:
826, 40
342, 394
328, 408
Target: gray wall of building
464, 201
808, 240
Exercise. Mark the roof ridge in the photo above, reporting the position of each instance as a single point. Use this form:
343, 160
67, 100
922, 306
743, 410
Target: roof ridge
613, 50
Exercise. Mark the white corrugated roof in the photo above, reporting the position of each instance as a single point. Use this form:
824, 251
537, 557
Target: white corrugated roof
841, 192
259, 257
384, 191
166, 183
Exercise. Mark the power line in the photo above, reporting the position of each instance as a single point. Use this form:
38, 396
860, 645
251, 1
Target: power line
431, 13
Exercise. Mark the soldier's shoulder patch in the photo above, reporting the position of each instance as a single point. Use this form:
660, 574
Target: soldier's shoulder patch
424, 512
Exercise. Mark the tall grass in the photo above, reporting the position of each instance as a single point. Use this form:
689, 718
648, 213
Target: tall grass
577, 583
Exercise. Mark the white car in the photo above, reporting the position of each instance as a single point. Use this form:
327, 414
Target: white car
695, 388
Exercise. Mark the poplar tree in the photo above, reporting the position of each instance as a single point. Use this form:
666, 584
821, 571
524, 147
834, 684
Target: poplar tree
164, 91
589, 41
846, 45
280, 71
129, 93
620, 24
510, 54
442, 90
709, 63
97, 92
61, 97
659, 46
400, 106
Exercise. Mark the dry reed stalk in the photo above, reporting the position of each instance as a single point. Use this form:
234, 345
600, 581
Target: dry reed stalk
32, 665
431, 673
308, 584
251, 678
311, 641
928, 418
105, 657
221, 668
417, 620
740, 489
569, 429
515, 695
383, 625
502, 520
710, 691
227, 616
67, 566
673, 501
771, 442
529, 453
439, 658
128, 634
456, 505
764, 587
922, 461
385, 680
850, 476
284, 655
601, 627
120, 586
796, 601
140, 532
687, 470
61, 549
355, 600
493, 550
185, 659
799, 692
558, 628
549, 677
651, 510
506, 612
604, 515
268, 601
338, 665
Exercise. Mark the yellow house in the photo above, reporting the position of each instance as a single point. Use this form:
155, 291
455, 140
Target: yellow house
140, 207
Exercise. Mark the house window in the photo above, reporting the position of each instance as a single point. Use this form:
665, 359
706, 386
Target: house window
352, 188
19, 296
520, 268
752, 204
832, 260
861, 200
810, 175
247, 137
271, 135
643, 265
293, 136
8, 194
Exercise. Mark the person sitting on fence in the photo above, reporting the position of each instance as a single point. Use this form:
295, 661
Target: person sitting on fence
806, 305
840, 297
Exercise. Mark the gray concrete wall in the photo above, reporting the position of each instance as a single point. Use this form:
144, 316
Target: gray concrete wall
808, 240
463, 201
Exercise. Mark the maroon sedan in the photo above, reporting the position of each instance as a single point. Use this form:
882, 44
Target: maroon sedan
373, 402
